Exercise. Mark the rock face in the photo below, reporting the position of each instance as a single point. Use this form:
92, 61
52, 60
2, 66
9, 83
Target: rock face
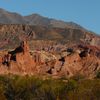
86, 62
19, 60
80, 59
12, 35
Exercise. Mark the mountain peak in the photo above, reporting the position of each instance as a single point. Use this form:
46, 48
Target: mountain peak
7, 17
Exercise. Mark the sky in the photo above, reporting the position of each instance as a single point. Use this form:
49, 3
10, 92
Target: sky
83, 12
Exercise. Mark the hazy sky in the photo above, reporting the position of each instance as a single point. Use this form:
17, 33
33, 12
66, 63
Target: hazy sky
84, 12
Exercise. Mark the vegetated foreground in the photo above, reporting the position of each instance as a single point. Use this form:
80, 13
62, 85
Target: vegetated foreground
51, 63
35, 88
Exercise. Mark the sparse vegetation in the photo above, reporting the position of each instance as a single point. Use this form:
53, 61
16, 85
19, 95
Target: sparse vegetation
33, 88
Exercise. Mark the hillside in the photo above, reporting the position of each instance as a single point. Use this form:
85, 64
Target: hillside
7, 17
12, 35
34, 45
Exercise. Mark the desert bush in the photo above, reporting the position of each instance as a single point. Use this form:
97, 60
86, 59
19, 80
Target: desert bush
34, 88
98, 75
78, 77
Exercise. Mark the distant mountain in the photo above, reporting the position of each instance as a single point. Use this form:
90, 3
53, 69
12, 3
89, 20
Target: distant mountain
34, 19
11, 18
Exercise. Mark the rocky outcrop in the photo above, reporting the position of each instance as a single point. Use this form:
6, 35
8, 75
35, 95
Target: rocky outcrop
19, 60
80, 59
86, 62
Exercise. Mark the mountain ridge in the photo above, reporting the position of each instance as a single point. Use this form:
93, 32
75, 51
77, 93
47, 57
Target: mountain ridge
7, 17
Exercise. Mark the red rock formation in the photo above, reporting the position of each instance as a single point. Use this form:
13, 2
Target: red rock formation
86, 63
24, 59
19, 60
84, 59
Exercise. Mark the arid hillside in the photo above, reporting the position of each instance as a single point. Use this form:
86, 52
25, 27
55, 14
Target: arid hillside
12, 35
7, 17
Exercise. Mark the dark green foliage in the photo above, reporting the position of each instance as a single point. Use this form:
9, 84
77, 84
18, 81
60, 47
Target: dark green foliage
98, 75
78, 77
33, 88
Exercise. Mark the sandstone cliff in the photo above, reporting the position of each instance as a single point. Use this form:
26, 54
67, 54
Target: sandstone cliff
78, 59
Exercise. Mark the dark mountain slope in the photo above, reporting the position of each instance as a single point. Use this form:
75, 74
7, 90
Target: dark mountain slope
11, 18
34, 19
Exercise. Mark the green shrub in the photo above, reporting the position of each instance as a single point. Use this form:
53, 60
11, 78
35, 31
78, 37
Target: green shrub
34, 88
98, 75
78, 77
